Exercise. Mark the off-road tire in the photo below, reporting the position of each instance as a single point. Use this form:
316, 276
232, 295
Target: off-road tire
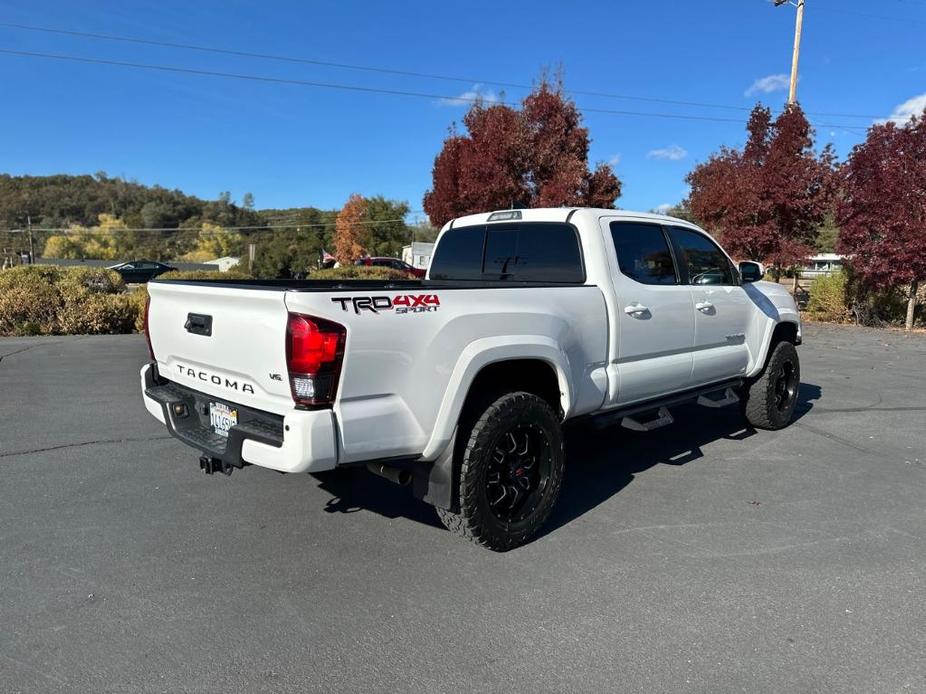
762, 399
476, 520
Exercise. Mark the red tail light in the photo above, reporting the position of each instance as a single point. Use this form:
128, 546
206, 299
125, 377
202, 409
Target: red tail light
148, 330
314, 351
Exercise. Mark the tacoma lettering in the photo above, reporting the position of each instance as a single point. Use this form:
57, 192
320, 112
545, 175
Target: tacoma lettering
214, 379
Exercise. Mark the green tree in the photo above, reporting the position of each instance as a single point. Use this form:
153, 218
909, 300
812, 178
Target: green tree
386, 232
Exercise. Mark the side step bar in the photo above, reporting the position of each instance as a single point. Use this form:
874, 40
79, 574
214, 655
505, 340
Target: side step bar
663, 419
729, 398
705, 396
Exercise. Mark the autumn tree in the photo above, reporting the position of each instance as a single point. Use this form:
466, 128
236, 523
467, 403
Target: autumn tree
349, 231
768, 200
882, 214
535, 156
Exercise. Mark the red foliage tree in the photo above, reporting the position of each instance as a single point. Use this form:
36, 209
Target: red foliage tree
536, 156
349, 232
882, 214
768, 200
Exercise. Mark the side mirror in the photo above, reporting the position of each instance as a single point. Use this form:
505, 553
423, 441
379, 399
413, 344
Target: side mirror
751, 271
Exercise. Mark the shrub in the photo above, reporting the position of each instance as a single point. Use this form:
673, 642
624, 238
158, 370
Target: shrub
358, 272
45, 300
29, 308
98, 314
137, 300
829, 299
29, 275
94, 280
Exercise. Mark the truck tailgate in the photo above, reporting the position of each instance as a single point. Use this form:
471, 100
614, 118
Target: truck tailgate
224, 341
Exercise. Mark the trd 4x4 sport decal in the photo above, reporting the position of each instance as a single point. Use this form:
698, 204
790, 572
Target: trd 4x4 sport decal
403, 303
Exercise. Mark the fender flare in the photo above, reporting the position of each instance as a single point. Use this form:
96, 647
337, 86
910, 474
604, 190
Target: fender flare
785, 316
435, 480
475, 357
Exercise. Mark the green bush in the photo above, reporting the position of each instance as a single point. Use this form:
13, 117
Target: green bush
137, 299
358, 272
99, 314
91, 280
49, 300
29, 275
29, 307
829, 298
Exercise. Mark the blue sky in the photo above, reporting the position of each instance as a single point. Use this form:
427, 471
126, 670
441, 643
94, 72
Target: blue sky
295, 145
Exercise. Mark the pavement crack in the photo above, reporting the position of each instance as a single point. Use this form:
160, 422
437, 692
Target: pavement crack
835, 438
24, 349
911, 408
82, 444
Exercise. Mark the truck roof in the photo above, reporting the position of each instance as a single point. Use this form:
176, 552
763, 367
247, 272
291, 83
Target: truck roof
554, 214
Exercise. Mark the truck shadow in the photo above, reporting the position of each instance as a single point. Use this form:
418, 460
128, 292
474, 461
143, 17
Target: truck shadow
599, 464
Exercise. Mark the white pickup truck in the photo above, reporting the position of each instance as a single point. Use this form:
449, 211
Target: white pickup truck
460, 383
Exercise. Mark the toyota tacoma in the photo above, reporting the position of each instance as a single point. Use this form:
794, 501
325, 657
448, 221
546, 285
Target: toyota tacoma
459, 383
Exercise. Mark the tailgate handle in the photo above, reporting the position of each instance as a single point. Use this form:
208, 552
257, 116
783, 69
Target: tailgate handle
198, 324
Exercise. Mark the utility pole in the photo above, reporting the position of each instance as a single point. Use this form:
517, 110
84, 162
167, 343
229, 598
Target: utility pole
31, 247
795, 56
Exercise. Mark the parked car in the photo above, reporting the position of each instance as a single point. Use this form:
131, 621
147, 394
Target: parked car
394, 263
138, 271
460, 383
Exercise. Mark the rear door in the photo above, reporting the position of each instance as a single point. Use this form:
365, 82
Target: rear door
654, 325
227, 342
721, 307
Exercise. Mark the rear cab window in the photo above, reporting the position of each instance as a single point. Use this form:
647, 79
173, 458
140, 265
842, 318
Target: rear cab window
546, 252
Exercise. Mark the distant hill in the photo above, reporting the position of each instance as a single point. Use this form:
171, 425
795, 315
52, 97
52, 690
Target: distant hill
63, 200
126, 219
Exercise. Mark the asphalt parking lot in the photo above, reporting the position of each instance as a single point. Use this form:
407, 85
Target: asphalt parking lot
703, 557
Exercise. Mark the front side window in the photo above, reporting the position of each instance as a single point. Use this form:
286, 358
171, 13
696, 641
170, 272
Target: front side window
643, 253
703, 259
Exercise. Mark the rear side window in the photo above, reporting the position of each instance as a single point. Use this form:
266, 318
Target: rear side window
702, 258
528, 252
643, 253
458, 255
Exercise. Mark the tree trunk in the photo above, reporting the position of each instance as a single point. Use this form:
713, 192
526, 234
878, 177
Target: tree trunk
911, 304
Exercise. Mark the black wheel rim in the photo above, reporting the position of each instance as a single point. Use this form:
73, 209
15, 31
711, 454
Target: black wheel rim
518, 472
785, 386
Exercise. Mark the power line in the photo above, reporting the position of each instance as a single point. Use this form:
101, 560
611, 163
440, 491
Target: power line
222, 230
388, 71
361, 89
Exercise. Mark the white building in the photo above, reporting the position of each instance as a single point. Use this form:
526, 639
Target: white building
822, 264
225, 264
418, 254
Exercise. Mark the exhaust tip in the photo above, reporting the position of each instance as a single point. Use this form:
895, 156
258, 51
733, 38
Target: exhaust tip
395, 475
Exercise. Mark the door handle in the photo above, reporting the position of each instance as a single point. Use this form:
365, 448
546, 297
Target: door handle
704, 306
635, 308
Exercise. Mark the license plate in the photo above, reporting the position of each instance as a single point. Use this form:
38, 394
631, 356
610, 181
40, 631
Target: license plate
222, 418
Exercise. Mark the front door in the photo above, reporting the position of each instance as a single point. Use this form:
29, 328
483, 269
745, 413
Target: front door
722, 308
654, 325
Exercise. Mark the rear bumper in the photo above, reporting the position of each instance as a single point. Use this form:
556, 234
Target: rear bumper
300, 441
